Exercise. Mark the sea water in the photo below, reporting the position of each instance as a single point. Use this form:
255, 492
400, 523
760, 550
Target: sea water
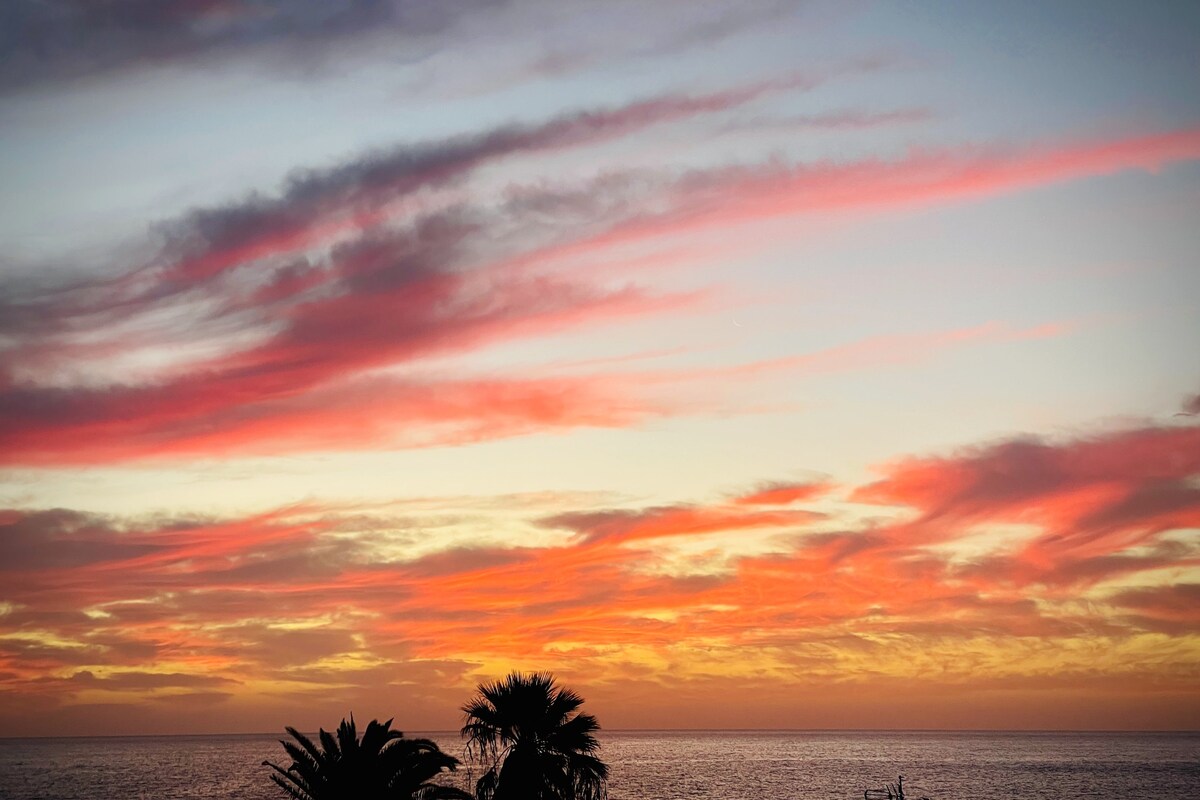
664, 765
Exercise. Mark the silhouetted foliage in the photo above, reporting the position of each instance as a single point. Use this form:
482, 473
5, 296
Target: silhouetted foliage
890, 791
535, 743
383, 765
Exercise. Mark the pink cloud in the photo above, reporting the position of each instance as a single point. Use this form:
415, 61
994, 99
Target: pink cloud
733, 196
390, 298
775, 494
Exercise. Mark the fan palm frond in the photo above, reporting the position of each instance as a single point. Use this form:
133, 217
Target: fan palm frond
540, 746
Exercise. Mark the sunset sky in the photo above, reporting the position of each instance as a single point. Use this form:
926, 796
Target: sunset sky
745, 363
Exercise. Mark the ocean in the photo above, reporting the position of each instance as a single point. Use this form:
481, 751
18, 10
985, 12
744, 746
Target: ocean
665, 765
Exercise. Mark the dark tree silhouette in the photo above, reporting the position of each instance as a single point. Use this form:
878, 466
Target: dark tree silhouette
528, 731
383, 765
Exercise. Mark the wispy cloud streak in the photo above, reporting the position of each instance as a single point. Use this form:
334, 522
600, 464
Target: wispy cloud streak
289, 303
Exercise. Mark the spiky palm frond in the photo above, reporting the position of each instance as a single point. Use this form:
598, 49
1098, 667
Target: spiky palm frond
293, 785
381, 765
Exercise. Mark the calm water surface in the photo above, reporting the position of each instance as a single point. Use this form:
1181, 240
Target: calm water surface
665, 765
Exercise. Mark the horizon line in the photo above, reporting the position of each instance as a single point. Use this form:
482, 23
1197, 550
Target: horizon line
1179, 731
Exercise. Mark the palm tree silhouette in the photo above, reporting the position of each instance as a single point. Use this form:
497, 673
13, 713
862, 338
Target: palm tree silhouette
382, 766
538, 747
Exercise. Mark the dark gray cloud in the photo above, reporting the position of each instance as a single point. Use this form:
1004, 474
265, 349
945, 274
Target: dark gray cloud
1174, 609
62, 539
682, 519
278, 648
141, 681
44, 41
26, 649
463, 559
1191, 405
192, 699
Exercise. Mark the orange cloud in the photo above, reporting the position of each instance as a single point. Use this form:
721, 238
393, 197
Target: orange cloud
333, 600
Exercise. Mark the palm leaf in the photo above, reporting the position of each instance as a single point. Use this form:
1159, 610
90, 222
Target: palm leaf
377, 736
436, 792
302, 762
330, 746
541, 747
380, 764
347, 737
306, 743
289, 783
